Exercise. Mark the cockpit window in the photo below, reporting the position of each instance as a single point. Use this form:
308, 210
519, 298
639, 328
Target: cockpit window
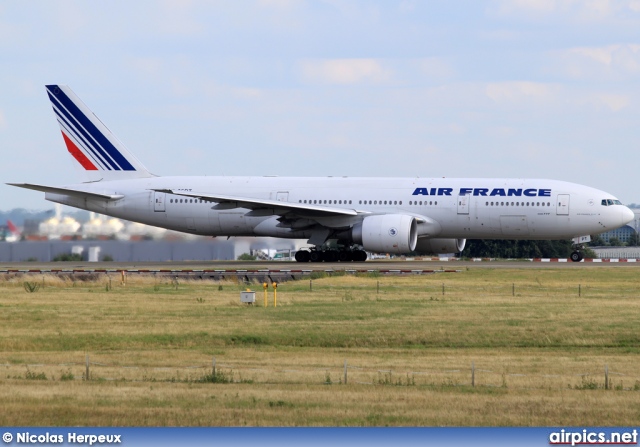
610, 202
604, 202
617, 202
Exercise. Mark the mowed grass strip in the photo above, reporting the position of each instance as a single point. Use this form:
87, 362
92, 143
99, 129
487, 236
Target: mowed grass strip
528, 333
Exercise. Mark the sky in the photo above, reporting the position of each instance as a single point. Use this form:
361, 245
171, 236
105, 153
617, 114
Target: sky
520, 88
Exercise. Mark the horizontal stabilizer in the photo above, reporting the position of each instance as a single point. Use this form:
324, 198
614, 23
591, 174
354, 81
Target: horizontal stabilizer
68, 192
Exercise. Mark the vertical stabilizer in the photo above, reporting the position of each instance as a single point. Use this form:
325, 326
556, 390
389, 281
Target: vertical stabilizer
100, 154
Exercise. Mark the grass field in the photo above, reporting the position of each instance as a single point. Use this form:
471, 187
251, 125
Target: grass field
534, 342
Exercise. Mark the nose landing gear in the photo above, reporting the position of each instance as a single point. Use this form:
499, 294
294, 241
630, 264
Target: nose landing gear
577, 256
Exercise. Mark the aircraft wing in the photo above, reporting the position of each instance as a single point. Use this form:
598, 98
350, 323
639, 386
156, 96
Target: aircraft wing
255, 204
68, 192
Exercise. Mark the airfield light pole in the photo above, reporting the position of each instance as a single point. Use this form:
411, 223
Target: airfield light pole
265, 286
275, 294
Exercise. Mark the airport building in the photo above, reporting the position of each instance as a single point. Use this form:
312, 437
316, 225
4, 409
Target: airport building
201, 249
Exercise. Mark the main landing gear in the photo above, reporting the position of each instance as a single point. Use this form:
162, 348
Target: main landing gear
318, 255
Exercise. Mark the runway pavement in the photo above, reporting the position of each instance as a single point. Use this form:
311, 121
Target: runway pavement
382, 265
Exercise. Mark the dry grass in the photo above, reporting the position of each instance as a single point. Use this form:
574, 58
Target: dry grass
539, 350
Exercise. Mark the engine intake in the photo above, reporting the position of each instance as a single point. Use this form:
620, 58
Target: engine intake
387, 233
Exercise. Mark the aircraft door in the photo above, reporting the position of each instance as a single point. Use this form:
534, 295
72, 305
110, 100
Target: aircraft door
563, 205
463, 204
159, 199
282, 196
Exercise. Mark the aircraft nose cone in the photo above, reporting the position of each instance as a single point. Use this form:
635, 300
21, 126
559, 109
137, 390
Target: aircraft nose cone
627, 216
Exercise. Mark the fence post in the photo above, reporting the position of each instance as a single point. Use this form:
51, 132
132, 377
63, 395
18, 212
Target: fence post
378, 287
213, 368
606, 377
442, 289
513, 289
473, 374
345, 371
579, 290
86, 373
310, 285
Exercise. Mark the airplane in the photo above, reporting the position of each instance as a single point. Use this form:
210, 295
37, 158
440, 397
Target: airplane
12, 233
358, 215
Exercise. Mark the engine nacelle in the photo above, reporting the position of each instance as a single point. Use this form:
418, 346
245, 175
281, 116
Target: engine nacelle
387, 233
440, 246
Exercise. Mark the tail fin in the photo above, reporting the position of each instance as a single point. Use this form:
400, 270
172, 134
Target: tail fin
90, 142
14, 230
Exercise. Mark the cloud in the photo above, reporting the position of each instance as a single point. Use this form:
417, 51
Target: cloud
528, 6
436, 67
344, 71
279, 4
178, 17
605, 62
574, 10
613, 102
519, 91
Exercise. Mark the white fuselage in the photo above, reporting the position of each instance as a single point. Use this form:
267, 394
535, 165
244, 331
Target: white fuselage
470, 208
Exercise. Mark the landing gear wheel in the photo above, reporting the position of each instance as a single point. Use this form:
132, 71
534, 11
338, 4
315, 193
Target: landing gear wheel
315, 256
344, 256
302, 256
330, 256
359, 255
576, 256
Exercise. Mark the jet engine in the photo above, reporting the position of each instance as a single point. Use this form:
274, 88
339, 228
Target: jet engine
440, 246
387, 233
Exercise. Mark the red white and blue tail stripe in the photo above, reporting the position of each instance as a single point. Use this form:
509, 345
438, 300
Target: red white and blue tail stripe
89, 141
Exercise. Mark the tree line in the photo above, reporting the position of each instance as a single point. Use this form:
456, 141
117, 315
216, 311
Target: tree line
496, 248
